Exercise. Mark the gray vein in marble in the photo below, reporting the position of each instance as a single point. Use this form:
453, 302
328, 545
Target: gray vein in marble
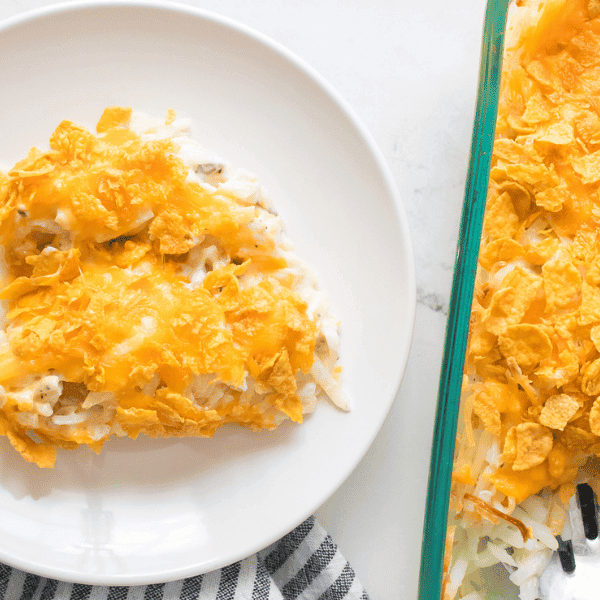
433, 301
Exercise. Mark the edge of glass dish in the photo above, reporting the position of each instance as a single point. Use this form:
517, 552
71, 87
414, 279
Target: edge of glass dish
457, 328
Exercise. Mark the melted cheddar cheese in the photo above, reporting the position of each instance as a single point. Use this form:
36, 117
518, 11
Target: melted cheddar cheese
96, 233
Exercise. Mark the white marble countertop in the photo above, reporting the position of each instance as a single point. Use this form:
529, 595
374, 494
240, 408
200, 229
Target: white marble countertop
409, 69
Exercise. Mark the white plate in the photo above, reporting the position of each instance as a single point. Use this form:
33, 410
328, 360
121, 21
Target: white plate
153, 510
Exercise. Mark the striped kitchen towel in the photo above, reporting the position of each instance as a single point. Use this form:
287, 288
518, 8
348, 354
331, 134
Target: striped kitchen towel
303, 565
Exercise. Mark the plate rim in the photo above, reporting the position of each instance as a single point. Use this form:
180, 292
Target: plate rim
401, 220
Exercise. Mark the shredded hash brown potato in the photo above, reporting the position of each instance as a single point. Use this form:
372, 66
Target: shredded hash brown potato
149, 289
529, 427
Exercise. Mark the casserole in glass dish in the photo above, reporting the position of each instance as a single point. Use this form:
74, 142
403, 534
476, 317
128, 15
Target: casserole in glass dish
518, 418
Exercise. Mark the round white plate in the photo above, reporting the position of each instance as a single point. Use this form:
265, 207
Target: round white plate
154, 510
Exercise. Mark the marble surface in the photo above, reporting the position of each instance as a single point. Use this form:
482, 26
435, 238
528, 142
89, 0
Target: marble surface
409, 69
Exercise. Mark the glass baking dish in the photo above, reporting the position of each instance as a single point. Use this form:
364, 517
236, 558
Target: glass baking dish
440, 474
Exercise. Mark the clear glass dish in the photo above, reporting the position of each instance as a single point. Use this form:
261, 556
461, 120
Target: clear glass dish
440, 473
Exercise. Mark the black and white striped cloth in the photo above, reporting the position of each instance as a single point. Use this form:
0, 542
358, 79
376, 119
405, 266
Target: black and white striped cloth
304, 565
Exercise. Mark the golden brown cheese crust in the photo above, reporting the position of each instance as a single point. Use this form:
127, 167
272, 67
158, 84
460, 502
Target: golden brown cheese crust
534, 346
